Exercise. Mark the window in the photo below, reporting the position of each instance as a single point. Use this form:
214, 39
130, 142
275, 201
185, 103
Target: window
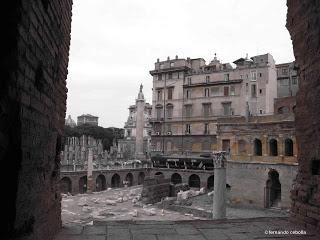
168, 127
260, 74
206, 128
294, 80
207, 79
188, 128
226, 77
206, 110
284, 82
232, 91
189, 81
169, 110
261, 111
159, 77
159, 112
215, 91
188, 94
253, 90
260, 91
226, 109
206, 92
241, 76
128, 133
226, 91
170, 92
284, 71
172, 64
169, 75
257, 147
253, 75
188, 110
247, 88
178, 75
159, 95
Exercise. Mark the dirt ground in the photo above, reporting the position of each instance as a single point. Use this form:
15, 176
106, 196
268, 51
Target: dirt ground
122, 204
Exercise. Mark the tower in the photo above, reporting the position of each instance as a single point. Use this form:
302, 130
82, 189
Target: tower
140, 103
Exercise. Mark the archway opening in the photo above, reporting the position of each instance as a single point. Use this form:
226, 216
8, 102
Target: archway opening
158, 174
100, 183
83, 184
176, 178
288, 147
115, 181
65, 185
257, 147
210, 183
141, 178
129, 179
194, 181
273, 146
273, 190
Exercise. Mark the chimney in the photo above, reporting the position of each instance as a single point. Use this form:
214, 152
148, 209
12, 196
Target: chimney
176, 56
168, 58
158, 60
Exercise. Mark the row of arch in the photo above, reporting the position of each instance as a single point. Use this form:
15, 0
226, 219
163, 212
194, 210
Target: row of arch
100, 182
273, 147
193, 180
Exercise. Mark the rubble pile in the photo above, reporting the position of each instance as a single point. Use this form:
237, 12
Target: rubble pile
113, 204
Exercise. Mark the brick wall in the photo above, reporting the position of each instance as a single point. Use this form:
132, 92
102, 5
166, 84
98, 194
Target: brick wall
154, 189
303, 20
34, 62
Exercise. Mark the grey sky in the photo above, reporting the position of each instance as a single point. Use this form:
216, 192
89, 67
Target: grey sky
115, 43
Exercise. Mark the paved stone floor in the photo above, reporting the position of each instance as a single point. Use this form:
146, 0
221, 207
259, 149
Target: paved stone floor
234, 229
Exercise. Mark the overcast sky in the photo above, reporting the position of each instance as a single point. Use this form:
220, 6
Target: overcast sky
115, 43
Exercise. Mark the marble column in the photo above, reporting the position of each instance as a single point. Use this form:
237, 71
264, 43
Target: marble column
89, 172
219, 197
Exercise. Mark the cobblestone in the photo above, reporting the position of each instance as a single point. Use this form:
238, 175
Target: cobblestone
232, 229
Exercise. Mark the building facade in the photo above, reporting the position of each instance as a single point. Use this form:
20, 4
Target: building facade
87, 119
139, 113
189, 95
287, 79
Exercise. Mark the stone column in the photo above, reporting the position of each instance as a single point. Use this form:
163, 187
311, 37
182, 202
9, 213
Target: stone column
140, 103
219, 197
89, 172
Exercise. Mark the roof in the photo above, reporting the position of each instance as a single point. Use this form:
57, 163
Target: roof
87, 115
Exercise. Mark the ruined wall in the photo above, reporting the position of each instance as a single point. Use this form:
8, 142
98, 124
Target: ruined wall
34, 60
249, 180
303, 21
154, 189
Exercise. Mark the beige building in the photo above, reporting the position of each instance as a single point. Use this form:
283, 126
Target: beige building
87, 119
189, 95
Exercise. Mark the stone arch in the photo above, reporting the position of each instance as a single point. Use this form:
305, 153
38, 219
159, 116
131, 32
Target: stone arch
273, 190
288, 147
283, 109
129, 179
115, 181
210, 182
100, 183
273, 146
141, 177
65, 185
257, 147
194, 181
159, 174
176, 178
83, 184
